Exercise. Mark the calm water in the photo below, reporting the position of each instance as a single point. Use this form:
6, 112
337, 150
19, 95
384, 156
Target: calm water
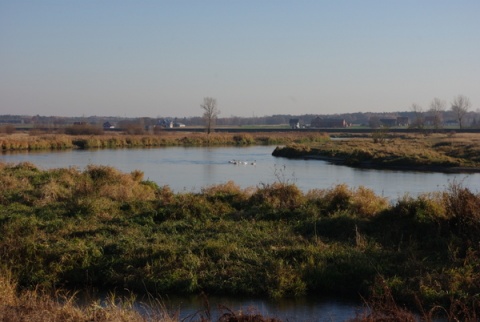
190, 169
301, 310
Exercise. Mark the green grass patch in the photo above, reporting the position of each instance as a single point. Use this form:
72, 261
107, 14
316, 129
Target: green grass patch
106, 229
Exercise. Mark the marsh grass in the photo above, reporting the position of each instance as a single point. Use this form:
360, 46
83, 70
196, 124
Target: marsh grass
80, 140
101, 228
43, 306
431, 152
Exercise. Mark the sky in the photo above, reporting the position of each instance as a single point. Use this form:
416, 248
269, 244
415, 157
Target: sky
255, 57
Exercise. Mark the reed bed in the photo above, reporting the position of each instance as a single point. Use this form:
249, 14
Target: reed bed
63, 141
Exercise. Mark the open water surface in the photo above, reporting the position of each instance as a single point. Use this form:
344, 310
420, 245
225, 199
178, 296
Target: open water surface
191, 168
304, 310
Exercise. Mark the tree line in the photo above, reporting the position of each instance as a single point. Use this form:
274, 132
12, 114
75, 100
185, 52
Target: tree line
458, 111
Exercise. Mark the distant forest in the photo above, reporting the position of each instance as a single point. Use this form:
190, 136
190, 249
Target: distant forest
368, 119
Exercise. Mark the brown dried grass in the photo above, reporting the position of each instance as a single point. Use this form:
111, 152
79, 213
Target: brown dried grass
37, 305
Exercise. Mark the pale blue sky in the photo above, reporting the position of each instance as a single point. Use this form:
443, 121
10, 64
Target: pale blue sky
257, 57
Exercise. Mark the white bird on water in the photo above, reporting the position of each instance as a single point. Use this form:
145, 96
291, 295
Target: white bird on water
237, 162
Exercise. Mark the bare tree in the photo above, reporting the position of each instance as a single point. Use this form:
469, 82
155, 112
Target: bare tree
210, 113
460, 106
419, 121
437, 107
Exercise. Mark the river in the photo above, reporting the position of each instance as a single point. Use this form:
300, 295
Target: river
191, 168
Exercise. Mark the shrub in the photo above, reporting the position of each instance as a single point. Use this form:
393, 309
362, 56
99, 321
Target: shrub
427, 207
229, 192
359, 202
463, 210
271, 199
332, 200
365, 203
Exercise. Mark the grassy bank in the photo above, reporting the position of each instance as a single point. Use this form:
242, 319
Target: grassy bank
438, 152
100, 228
23, 141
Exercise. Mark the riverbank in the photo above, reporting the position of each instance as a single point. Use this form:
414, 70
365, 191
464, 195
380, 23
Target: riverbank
24, 141
71, 229
436, 153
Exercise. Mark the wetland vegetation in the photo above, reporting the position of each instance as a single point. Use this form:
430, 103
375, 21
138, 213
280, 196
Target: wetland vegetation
26, 142
99, 228
447, 152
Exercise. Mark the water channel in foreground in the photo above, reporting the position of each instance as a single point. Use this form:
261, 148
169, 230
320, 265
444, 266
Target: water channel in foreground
191, 168
303, 309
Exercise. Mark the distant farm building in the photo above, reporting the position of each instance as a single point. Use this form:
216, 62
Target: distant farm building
108, 125
327, 122
294, 123
165, 123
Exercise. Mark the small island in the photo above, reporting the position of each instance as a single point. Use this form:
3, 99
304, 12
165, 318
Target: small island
439, 152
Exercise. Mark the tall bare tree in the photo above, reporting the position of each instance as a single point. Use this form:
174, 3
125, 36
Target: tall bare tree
437, 107
460, 106
210, 113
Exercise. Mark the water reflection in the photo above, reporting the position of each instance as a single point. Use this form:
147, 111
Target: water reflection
302, 309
